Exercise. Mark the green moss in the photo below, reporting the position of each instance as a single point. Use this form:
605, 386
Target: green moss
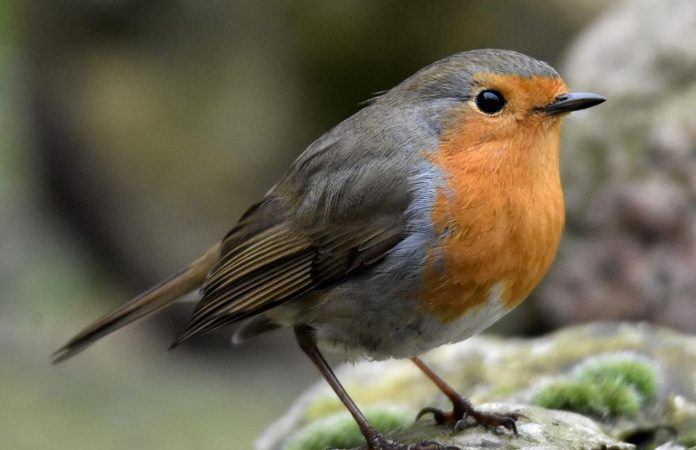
626, 369
597, 399
569, 395
340, 431
688, 439
617, 385
619, 398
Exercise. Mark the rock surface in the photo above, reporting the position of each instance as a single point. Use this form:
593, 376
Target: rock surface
511, 374
545, 429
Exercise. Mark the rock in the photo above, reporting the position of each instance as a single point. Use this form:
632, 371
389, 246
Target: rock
546, 428
624, 384
629, 172
670, 446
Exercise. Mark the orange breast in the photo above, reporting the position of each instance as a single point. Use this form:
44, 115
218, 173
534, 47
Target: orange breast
499, 217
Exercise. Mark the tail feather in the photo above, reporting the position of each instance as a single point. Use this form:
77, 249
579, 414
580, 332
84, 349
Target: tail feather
144, 304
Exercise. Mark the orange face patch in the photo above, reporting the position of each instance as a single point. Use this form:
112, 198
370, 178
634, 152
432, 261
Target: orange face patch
501, 215
523, 93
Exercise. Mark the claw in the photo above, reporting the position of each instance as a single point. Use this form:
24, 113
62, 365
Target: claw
462, 408
493, 420
441, 417
460, 425
510, 424
460, 416
518, 416
425, 411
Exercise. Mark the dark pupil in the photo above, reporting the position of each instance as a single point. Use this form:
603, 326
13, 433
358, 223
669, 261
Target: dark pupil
490, 101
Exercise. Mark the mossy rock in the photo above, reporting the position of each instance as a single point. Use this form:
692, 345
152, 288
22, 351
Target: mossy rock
340, 430
631, 382
540, 428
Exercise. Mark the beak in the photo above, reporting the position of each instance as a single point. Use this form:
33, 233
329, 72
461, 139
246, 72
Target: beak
572, 101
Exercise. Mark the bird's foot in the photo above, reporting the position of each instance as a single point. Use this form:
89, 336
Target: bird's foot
463, 409
381, 442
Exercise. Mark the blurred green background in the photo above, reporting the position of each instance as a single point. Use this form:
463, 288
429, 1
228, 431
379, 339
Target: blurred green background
134, 133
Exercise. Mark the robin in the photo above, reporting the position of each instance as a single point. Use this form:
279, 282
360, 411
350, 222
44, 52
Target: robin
417, 222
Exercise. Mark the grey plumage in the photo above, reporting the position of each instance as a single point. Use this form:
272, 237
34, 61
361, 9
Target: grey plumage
353, 210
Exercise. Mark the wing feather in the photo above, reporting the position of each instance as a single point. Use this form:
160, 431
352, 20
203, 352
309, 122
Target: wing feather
280, 263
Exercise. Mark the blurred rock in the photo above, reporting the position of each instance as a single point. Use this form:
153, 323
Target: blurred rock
656, 363
629, 170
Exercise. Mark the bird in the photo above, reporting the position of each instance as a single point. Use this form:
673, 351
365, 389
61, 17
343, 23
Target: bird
418, 221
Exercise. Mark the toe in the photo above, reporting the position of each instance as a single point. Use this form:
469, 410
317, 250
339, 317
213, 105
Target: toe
510, 424
460, 425
441, 417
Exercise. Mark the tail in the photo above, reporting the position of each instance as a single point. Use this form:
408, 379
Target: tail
144, 304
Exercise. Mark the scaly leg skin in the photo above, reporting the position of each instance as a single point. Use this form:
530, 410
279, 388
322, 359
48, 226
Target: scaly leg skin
375, 440
462, 408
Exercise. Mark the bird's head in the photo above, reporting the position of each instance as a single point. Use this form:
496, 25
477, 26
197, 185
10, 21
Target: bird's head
499, 85
496, 105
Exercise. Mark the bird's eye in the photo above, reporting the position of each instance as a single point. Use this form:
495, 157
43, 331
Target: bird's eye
490, 101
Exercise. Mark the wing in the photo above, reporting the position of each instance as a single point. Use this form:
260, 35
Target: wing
282, 262
338, 211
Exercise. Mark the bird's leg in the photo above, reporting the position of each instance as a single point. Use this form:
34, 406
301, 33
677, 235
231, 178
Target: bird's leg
375, 439
462, 408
